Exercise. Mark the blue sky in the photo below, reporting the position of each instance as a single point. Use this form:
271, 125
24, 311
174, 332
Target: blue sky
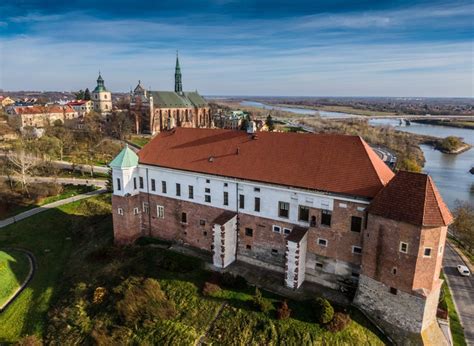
227, 47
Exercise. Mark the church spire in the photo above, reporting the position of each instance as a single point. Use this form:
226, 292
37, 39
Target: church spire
178, 87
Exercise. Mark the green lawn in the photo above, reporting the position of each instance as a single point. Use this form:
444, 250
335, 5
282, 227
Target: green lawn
14, 268
140, 140
457, 330
76, 259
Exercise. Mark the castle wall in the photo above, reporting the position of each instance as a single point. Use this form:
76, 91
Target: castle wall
127, 218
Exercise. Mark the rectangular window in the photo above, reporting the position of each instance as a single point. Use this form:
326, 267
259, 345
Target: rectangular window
207, 198
356, 224
440, 249
140, 182
207, 190
202, 222
318, 265
286, 230
274, 252
184, 218
146, 208
326, 217
120, 211
322, 242
208, 181
249, 232
256, 189
225, 184
160, 212
427, 252
119, 186
257, 204
153, 185
303, 213
403, 247
393, 290
134, 183
163, 186
283, 209
241, 201
190, 192
356, 250
178, 189
226, 198
276, 229
248, 247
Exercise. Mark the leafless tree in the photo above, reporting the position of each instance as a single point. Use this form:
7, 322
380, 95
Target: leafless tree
21, 163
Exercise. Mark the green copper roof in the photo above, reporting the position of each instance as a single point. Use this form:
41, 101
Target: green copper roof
126, 158
170, 99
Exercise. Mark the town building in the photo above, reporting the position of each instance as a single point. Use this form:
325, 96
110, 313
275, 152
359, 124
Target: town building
155, 111
6, 101
20, 117
101, 97
319, 208
231, 121
82, 107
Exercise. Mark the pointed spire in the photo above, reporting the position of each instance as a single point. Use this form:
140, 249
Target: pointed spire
178, 87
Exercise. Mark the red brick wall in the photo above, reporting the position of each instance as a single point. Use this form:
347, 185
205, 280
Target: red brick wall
127, 227
339, 236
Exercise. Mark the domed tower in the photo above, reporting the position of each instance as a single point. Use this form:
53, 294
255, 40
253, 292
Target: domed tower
101, 97
126, 209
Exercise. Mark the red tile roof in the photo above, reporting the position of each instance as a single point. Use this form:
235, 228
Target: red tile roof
43, 109
331, 163
77, 102
412, 198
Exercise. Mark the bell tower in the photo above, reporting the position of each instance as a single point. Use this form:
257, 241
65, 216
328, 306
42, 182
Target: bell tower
101, 97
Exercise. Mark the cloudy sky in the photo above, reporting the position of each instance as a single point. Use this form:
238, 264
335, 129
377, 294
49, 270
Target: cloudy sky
227, 47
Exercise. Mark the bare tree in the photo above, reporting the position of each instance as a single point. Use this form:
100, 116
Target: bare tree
21, 163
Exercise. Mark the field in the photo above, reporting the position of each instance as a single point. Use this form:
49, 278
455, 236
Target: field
14, 267
87, 290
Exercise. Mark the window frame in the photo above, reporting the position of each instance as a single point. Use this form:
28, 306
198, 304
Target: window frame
356, 247
153, 185
164, 188
300, 208
326, 213
400, 247
274, 227
119, 184
358, 223
141, 183
134, 183
319, 240
178, 189
120, 211
248, 232
282, 204
430, 252
241, 201
257, 204
160, 212
184, 217
225, 198
190, 192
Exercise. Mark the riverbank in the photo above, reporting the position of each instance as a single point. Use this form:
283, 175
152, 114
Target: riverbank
338, 109
458, 124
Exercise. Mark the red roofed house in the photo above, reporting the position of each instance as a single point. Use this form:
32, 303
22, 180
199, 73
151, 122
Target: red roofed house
41, 116
317, 208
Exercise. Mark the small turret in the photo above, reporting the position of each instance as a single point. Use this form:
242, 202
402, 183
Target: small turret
124, 173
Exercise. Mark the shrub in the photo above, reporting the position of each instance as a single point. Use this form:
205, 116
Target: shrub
30, 340
178, 263
99, 295
323, 310
339, 322
143, 302
209, 289
283, 312
261, 304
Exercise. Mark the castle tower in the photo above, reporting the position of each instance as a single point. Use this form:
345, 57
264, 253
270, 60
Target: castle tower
178, 86
101, 97
127, 211
403, 246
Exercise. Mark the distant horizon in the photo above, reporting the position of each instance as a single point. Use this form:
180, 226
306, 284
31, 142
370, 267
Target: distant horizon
254, 96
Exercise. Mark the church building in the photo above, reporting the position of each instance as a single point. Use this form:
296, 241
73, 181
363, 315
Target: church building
155, 111
101, 97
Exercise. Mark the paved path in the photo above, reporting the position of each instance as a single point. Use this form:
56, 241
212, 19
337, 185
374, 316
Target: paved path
69, 181
462, 289
45, 207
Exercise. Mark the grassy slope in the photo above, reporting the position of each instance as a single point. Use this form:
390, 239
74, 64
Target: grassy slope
46, 235
457, 330
67, 265
69, 191
140, 140
14, 267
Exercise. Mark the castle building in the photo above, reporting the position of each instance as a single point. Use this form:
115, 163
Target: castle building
20, 117
155, 111
319, 208
101, 97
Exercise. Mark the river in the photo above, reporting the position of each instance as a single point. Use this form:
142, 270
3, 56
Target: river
450, 172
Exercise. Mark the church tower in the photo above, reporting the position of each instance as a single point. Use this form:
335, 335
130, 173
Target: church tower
101, 97
178, 86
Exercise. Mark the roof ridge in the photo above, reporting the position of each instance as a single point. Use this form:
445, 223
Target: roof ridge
436, 195
366, 147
